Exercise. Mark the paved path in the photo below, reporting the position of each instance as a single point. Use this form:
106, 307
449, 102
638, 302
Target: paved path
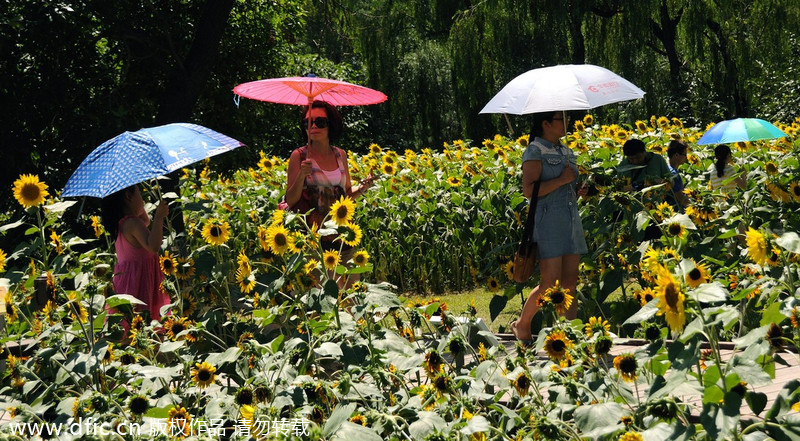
783, 372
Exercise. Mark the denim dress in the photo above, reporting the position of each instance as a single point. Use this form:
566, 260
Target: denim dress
558, 229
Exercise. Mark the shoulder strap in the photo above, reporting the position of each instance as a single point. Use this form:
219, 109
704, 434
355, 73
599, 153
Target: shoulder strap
527, 233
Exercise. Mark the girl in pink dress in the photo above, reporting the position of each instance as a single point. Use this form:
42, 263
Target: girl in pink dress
137, 272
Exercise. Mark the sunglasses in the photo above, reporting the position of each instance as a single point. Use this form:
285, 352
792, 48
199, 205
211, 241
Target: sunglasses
321, 122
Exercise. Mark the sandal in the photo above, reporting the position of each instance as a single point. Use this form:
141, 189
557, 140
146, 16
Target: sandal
525, 342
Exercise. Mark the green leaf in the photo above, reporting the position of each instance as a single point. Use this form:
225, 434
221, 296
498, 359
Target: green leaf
757, 401
426, 423
496, 306
649, 310
789, 241
10, 226
709, 293
337, 418
329, 349
599, 416
161, 413
772, 314
31, 230
783, 402
170, 346
123, 299
721, 421
751, 337
350, 431
276, 343
229, 356
59, 207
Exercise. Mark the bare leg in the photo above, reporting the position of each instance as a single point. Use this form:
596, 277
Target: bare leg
550, 270
569, 274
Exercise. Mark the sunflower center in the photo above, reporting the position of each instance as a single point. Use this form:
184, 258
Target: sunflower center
628, 365
341, 213
796, 190
216, 231
204, 375
30, 192
559, 345
674, 229
177, 328
671, 295
359, 259
695, 274
280, 240
557, 297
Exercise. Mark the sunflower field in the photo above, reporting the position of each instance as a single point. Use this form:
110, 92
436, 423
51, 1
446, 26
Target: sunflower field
270, 337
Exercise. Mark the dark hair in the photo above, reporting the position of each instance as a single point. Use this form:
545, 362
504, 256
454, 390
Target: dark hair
112, 209
632, 147
335, 125
539, 118
721, 153
676, 147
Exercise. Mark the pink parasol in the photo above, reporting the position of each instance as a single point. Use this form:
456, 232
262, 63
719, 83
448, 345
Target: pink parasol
302, 91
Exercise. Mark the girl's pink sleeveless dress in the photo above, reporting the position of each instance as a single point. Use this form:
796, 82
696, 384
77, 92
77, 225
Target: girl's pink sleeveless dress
138, 273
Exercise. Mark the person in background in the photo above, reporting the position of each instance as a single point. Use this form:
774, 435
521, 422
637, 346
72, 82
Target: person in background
640, 167
137, 271
677, 152
557, 228
318, 174
723, 175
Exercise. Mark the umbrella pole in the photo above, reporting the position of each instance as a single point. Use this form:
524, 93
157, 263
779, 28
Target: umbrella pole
510, 129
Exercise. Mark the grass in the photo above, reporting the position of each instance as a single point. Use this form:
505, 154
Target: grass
458, 302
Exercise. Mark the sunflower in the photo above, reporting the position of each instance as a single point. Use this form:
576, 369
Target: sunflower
670, 254
508, 268
343, 210
279, 240
174, 326
771, 168
330, 259
775, 336
245, 278
138, 404
630, 436
773, 258
597, 325
698, 275
671, 299
794, 190
588, 119
522, 384
454, 181
97, 226
204, 374
3, 256
185, 268
29, 192
662, 122
169, 266
579, 126
388, 169
675, 229
78, 310
55, 239
557, 344
494, 284
559, 297
108, 357
179, 422
626, 365
641, 126
361, 258
350, 233
621, 135
375, 149
216, 232
756, 246
524, 140
434, 363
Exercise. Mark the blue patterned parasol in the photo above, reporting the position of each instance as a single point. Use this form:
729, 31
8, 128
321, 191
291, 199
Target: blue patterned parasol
134, 157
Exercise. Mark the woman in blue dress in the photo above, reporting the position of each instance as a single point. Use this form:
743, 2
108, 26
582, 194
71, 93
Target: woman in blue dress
557, 230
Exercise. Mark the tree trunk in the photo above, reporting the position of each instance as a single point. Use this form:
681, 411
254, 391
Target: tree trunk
730, 74
666, 31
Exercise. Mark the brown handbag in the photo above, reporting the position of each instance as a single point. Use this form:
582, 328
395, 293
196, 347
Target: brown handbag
528, 250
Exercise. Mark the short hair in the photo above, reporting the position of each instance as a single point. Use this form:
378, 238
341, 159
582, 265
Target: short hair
676, 147
721, 153
539, 118
632, 147
335, 125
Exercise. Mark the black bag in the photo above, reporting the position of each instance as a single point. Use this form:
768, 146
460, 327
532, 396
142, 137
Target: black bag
525, 259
